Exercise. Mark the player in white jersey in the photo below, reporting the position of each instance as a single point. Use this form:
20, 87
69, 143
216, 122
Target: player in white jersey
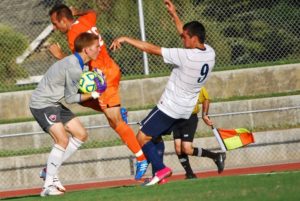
192, 67
61, 81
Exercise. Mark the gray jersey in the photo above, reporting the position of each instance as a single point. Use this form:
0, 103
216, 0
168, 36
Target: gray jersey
61, 80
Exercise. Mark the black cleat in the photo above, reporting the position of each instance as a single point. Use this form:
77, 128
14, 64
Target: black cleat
190, 176
220, 161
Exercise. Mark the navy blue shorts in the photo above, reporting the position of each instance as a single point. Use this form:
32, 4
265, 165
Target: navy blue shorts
157, 123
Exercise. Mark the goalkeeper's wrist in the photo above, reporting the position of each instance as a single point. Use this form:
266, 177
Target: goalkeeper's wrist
95, 95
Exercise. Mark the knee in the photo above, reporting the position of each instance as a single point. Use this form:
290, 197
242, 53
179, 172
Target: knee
83, 136
178, 149
142, 138
63, 142
186, 149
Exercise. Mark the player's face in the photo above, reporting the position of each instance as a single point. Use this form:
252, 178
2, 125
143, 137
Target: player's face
93, 50
59, 25
187, 40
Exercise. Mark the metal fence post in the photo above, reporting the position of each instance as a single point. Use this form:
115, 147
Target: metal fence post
143, 35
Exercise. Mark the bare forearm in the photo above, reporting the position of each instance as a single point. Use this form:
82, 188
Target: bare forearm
205, 107
141, 45
178, 23
77, 12
85, 97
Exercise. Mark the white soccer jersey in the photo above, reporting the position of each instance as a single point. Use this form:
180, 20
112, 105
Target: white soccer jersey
192, 67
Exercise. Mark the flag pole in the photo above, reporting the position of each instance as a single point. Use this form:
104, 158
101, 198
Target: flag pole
220, 141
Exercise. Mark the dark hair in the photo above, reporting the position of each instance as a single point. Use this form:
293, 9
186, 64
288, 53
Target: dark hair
195, 28
84, 40
61, 10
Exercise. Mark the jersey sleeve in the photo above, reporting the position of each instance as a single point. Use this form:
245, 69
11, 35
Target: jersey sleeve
175, 56
203, 95
71, 89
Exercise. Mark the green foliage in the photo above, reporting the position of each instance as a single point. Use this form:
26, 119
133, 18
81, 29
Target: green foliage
12, 45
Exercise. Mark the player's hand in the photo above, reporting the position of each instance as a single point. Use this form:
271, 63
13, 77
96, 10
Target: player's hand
116, 44
95, 94
100, 80
170, 7
56, 51
207, 120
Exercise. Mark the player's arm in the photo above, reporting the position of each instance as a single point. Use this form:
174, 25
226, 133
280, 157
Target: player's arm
56, 51
141, 45
71, 90
78, 12
205, 106
172, 11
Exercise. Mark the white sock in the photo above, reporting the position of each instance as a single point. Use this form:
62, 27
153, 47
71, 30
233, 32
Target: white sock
54, 161
72, 147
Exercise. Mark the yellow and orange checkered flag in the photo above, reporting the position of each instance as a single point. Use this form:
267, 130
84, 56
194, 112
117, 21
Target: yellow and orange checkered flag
233, 138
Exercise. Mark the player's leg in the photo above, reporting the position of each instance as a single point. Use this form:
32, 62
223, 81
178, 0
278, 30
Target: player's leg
50, 121
184, 131
55, 158
128, 137
153, 126
187, 148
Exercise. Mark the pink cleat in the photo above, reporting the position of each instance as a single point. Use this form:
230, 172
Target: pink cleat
159, 176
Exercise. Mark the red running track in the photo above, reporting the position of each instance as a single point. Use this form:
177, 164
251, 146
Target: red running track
127, 182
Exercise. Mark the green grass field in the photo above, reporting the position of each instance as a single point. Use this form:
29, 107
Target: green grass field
281, 186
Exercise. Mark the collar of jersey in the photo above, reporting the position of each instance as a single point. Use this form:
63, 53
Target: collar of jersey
79, 59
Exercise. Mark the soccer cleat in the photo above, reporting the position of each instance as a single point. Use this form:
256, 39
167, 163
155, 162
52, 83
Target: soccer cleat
50, 190
159, 176
58, 184
56, 181
190, 176
141, 168
220, 161
163, 181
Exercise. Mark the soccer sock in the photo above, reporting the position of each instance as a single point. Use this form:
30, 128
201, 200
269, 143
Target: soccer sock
73, 146
184, 160
128, 137
204, 153
160, 146
153, 156
54, 161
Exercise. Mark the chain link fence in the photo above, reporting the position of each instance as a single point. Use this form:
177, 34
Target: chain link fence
244, 33
104, 157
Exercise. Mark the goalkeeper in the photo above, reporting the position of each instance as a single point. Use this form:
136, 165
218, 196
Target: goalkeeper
60, 81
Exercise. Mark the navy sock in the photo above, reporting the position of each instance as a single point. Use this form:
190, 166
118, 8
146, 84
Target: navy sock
160, 146
152, 155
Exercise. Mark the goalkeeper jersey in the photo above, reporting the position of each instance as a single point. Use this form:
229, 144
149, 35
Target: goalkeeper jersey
61, 80
191, 69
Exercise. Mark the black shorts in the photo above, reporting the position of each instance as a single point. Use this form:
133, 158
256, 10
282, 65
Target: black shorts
157, 123
46, 117
185, 130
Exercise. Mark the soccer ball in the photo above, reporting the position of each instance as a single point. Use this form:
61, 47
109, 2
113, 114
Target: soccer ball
87, 82
92, 81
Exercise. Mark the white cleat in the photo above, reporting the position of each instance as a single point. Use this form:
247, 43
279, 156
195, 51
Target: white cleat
56, 181
58, 184
50, 190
